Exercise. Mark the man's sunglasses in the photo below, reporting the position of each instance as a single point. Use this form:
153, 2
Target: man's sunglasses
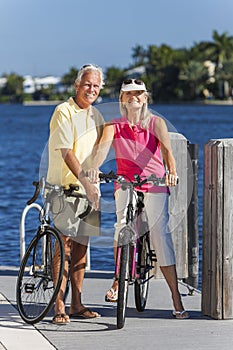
133, 81
88, 65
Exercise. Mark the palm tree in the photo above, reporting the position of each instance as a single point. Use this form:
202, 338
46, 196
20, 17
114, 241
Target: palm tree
139, 54
194, 76
222, 47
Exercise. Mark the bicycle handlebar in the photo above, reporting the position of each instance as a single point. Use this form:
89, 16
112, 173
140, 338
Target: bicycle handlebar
36, 193
138, 180
42, 185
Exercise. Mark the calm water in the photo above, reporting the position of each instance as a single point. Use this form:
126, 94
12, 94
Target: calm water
24, 134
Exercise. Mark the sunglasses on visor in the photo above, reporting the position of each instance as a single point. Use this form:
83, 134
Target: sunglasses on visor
133, 81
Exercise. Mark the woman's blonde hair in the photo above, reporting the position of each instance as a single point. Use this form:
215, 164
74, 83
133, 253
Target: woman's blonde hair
145, 112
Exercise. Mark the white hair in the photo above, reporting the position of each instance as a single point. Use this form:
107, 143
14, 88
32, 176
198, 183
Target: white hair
87, 68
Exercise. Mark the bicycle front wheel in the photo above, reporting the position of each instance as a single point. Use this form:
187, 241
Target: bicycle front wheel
40, 275
141, 286
123, 284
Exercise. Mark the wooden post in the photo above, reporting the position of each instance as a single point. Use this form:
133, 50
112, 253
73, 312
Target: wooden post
217, 267
178, 205
193, 233
178, 208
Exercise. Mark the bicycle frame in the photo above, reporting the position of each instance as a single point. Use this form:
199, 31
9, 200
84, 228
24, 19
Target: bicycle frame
134, 223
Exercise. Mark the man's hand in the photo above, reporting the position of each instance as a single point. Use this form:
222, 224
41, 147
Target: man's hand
93, 195
93, 175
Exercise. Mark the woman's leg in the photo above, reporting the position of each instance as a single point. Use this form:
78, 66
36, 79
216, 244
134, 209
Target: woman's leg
158, 218
170, 275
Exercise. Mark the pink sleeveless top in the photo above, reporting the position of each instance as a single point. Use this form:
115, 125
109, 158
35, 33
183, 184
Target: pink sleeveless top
138, 151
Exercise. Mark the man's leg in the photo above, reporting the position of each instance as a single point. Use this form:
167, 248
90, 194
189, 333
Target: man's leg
59, 308
77, 271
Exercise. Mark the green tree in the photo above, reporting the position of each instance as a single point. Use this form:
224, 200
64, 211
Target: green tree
222, 47
13, 88
194, 77
224, 77
113, 80
68, 79
139, 55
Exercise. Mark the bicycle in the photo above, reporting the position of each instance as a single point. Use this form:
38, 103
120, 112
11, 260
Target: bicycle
135, 257
37, 283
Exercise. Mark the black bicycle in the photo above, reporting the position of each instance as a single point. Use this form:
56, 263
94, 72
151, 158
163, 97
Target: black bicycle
42, 266
135, 257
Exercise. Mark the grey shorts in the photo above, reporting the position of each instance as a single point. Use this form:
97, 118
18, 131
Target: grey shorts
66, 212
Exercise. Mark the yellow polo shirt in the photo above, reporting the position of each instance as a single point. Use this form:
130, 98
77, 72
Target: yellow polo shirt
77, 129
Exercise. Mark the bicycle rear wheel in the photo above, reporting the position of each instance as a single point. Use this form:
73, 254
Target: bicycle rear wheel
123, 283
141, 285
37, 283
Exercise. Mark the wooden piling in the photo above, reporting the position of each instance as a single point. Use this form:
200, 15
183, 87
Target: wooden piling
217, 266
193, 232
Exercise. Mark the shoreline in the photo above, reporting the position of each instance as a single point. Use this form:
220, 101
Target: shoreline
201, 103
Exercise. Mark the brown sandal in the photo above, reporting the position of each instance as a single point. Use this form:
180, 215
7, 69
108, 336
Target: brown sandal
180, 315
85, 313
61, 319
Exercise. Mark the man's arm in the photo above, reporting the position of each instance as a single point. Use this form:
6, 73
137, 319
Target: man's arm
76, 168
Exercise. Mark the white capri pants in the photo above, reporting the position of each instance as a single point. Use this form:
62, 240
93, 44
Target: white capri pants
156, 206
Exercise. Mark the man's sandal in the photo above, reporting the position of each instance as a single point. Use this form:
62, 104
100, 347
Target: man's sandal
61, 319
180, 315
111, 295
85, 313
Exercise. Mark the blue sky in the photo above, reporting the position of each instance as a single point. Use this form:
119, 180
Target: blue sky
41, 37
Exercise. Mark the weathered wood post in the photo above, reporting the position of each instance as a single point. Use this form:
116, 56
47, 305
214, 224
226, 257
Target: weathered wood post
178, 205
193, 232
178, 208
217, 267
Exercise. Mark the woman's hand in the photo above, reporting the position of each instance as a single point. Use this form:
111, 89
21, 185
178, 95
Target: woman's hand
171, 179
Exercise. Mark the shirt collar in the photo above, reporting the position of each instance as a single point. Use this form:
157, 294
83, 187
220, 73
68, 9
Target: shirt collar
77, 109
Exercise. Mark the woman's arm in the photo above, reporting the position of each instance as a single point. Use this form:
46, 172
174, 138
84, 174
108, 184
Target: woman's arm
104, 145
101, 153
164, 139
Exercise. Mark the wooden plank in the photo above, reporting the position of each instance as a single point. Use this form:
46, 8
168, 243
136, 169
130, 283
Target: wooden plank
216, 230
228, 231
178, 208
178, 205
207, 273
217, 267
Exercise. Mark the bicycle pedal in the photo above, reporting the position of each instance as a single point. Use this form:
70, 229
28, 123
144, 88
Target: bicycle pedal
29, 288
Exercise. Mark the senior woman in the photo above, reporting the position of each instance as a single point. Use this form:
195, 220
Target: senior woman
142, 146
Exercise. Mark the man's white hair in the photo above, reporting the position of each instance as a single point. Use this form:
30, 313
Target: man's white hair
87, 68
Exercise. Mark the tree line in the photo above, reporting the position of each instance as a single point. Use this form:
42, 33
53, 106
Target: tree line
204, 71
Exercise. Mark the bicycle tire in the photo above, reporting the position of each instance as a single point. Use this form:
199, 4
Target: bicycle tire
35, 289
123, 284
141, 285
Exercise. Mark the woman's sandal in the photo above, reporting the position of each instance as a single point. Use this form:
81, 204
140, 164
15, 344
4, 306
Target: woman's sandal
111, 295
61, 319
180, 315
